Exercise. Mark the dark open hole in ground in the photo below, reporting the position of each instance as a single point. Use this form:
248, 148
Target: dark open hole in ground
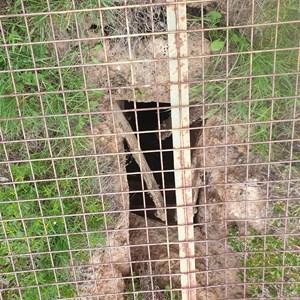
146, 118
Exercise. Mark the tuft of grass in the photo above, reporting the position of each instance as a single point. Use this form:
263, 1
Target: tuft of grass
59, 225
132, 288
169, 294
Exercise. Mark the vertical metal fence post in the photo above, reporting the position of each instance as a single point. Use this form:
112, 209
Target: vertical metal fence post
179, 98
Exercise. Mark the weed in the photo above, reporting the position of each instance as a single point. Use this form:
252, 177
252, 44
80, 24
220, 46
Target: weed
169, 294
134, 288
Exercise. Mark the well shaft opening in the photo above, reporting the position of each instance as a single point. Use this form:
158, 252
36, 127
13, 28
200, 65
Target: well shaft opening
145, 117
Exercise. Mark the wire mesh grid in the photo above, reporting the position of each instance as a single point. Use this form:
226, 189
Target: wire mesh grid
149, 149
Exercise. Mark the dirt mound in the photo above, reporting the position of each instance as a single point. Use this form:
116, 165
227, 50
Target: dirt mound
232, 191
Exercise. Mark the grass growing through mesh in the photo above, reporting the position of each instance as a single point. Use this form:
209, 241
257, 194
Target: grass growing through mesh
262, 252
263, 64
55, 233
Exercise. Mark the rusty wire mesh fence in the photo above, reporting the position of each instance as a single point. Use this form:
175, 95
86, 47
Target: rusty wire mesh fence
150, 149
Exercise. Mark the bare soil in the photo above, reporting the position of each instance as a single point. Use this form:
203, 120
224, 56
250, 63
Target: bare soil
150, 75
165, 259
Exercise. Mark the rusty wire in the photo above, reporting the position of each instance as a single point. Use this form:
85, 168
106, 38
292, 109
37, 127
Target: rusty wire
111, 247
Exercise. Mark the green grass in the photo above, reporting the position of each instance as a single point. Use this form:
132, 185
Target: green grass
262, 252
265, 258
261, 87
55, 225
